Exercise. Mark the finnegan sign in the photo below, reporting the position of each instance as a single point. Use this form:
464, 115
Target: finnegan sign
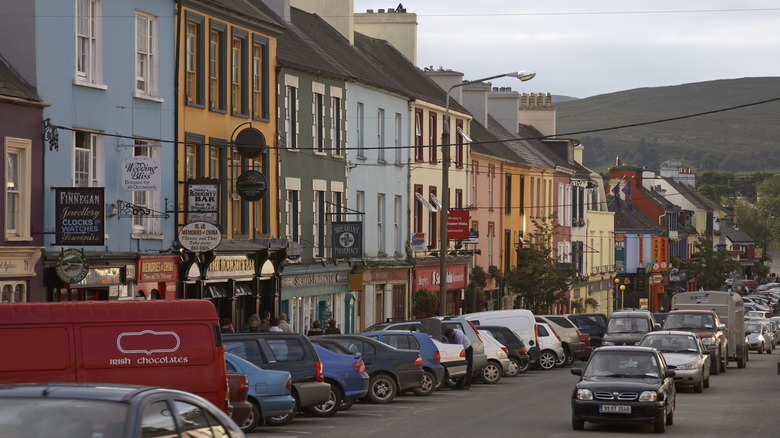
80, 216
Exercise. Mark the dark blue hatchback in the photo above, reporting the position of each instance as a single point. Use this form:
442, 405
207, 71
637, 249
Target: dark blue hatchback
433, 370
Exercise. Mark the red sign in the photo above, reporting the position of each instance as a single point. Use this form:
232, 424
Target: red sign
154, 269
429, 278
458, 224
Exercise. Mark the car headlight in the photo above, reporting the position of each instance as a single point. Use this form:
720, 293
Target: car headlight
688, 366
648, 396
584, 394
708, 341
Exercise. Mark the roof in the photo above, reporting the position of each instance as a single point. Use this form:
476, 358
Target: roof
13, 85
86, 391
631, 220
251, 12
486, 142
734, 234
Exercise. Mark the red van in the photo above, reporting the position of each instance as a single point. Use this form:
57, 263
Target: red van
167, 344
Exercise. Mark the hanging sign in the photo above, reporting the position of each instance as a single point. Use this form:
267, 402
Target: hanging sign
80, 215
347, 239
141, 173
200, 236
251, 185
72, 265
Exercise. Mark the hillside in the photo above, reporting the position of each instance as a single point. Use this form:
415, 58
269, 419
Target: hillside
740, 140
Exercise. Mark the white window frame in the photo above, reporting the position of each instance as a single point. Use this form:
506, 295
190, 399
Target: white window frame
320, 207
398, 136
380, 133
318, 117
397, 221
145, 226
336, 122
380, 224
360, 206
293, 209
88, 48
146, 62
361, 141
20, 193
291, 119
94, 165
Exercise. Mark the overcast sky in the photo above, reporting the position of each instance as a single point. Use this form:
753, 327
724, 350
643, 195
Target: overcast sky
585, 48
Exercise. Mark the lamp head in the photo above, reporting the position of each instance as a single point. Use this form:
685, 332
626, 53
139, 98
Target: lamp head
522, 75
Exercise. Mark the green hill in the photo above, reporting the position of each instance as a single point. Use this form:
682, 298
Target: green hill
740, 140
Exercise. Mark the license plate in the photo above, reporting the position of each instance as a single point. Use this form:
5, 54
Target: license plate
615, 409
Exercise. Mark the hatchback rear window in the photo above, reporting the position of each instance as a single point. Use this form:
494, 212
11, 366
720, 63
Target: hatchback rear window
561, 321
286, 350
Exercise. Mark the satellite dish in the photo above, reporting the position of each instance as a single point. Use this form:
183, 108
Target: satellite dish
424, 202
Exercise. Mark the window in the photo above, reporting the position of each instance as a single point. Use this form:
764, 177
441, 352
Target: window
86, 156
88, 41
293, 215
432, 152
418, 209
337, 202
397, 221
491, 175
318, 121
145, 54
399, 134
380, 133
143, 224
458, 144
432, 222
380, 223
336, 123
18, 171
157, 420
291, 115
319, 223
508, 195
215, 162
491, 235
190, 160
522, 195
474, 175
240, 210
13, 292
260, 100
217, 65
360, 205
361, 141
418, 135
238, 73
193, 63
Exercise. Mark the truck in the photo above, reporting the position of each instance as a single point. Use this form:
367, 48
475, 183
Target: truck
730, 311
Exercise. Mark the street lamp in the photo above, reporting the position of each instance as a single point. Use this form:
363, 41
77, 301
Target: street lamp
445, 181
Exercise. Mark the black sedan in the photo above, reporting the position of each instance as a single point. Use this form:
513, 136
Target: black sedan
85, 410
624, 384
391, 370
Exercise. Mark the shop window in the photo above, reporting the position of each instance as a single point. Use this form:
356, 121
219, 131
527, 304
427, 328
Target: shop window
13, 292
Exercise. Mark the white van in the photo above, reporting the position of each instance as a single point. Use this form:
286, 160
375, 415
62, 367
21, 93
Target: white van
520, 321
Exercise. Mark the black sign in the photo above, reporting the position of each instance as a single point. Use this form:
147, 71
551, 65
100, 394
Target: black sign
251, 185
250, 142
202, 201
80, 216
347, 240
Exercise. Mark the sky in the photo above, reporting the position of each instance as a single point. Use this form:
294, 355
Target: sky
585, 48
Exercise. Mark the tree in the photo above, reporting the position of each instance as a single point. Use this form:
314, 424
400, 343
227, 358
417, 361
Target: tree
475, 291
538, 280
425, 303
710, 268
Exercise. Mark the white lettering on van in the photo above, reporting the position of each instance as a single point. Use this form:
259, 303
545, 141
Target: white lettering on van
123, 361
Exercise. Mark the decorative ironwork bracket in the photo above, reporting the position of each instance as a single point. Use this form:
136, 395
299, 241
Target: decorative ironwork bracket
127, 209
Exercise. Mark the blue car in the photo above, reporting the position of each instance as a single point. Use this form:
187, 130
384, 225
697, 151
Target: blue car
348, 380
433, 370
269, 391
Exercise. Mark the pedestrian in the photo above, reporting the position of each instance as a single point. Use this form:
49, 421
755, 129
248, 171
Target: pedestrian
332, 329
254, 323
456, 336
283, 323
315, 329
265, 322
274, 325
227, 325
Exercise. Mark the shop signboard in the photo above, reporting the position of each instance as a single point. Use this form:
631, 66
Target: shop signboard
80, 213
347, 239
200, 237
203, 201
141, 173
458, 225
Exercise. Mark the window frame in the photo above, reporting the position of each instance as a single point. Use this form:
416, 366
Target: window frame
381, 224
380, 134
150, 73
218, 67
239, 90
94, 170
419, 154
433, 155
263, 101
91, 58
22, 148
361, 140
194, 62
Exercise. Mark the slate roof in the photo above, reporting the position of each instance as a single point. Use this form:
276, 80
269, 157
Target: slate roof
632, 220
533, 138
734, 234
249, 10
486, 141
13, 85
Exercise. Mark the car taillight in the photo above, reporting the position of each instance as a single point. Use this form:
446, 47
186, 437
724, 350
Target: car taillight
505, 351
244, 385
418, 362
228, 407
438, 356
579, 333
536, 334
523, 349
556, 334
318, 375
289, 385
359, 366
462, 353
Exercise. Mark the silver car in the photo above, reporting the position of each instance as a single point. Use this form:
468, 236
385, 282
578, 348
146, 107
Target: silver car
759, 336
685, 354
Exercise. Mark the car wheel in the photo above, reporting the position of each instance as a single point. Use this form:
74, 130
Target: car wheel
660, 423
251, 422
698, 388
346, 403
514, 367
381, 389
330, 407
451, 383
525, 365
577, 424
281, 420
707, 382
670, 415
563, 360
715, 363
547, 360
761, 348
428, 384
491, 373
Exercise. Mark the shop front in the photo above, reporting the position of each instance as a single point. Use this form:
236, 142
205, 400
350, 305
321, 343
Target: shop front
314, 292
156, 277
383, 297
73, 275
427, 276
19, 281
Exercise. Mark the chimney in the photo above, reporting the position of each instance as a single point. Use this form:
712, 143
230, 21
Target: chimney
280, 8
502, 106
338, 13
538, 112
396, 26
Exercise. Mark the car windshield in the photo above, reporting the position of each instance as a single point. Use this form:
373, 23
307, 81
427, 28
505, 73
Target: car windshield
671, 343
628, 325
689, 321
753, 327
621, 364
48, 417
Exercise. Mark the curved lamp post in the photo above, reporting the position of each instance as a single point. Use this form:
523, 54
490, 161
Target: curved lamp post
445, 182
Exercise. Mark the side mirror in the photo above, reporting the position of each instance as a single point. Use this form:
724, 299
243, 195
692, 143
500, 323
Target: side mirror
656, 326
747, 332
576, 371
721, 326
670, 373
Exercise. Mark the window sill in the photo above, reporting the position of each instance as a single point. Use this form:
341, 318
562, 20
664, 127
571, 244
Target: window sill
18, 238
141, 95
361, 158
81, 83
142, 236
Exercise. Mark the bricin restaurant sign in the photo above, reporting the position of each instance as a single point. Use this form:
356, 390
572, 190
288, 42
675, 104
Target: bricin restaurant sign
347, 239
80, 216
